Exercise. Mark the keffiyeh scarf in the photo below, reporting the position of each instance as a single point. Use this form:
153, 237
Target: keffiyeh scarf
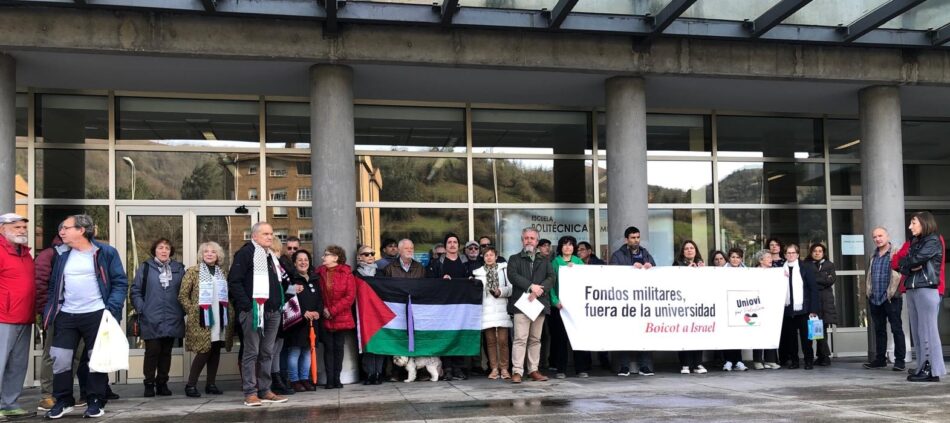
208, 277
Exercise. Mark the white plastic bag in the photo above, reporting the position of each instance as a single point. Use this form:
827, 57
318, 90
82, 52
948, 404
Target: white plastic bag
111, 350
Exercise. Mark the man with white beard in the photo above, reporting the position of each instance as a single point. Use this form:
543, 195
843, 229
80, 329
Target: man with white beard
16, 282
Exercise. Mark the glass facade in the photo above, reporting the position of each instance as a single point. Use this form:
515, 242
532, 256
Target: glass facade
425, 170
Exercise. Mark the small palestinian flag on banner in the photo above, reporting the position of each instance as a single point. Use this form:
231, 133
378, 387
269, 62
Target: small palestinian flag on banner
432, 317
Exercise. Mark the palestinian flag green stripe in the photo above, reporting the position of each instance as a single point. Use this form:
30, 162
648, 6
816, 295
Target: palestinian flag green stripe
427, 342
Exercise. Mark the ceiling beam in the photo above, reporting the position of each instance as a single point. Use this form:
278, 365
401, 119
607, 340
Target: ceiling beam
942, 35
449, 8
664, 18
209, 5
877, 17
560, 12
775, 15
330, 25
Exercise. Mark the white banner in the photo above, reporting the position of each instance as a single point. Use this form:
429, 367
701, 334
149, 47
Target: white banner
619, 308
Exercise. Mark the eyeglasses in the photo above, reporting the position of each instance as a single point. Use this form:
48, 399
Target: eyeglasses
293, 248
484, 245
472, 247
367, 254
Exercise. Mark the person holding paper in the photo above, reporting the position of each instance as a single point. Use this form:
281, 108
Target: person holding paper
532, 277
801, 303
636, 255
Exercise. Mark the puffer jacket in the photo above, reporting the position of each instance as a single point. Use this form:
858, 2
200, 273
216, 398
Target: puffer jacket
825, 278
44, 268
17, 289
338, 296
495, 310
160, 313
926, 253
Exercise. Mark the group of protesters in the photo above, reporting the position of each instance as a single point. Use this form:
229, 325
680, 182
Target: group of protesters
78, 278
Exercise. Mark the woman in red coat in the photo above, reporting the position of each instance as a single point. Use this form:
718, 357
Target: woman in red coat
339, 291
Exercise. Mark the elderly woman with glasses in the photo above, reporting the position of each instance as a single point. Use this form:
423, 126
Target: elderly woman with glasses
338, 286
801, 304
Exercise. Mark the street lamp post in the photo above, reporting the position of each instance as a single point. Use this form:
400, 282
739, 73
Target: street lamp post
135, 248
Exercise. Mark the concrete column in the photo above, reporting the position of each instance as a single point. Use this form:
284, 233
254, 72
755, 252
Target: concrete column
882, 174
627, 159
7, 133
334, 175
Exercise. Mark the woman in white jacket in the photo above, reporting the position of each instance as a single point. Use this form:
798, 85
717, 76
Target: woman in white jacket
495, 318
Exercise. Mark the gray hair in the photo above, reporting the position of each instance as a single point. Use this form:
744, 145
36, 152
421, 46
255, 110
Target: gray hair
759, 255
85, 221
881, 227
257, 227
404, 241
530, 229
214, 246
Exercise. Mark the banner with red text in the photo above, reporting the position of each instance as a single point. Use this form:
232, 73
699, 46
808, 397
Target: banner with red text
619, 308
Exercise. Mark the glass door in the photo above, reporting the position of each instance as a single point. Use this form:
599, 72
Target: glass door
187, 228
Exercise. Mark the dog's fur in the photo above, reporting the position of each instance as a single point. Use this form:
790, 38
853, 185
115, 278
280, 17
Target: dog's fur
432, 364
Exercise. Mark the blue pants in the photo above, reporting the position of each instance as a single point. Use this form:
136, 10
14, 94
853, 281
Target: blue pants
298, 364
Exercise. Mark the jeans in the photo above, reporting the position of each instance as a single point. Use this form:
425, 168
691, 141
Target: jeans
923, 306
298, 364
881, 315
258, 352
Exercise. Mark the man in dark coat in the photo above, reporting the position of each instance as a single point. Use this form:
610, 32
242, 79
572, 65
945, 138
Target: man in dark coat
530, 273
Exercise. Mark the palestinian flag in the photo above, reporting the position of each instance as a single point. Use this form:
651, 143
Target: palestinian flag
431, 317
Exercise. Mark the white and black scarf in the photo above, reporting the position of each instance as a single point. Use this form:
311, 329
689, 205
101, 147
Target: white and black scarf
796, 290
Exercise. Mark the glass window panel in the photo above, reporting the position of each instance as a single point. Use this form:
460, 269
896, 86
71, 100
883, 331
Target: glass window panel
926, 140
284, 176
46, 220
72, 174
732, 10
851, 301
510, 4
769, 137
926, 180
927, 15
288, 221
771, 183
393, 128
288, 125
385, 178
166, 121
671, 182
21, 184
22, 123
164, 175
615, 7
227, 231
833, 12
668, 228
844, 138
504, 226
425, 227
72, 119
849, 222
846, 179
529, 131
670, 135
749, 229
141, 232
532, 181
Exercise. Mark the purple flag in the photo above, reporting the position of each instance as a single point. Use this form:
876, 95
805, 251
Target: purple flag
410, 326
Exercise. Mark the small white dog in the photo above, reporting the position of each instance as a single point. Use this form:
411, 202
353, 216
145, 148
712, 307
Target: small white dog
432, 364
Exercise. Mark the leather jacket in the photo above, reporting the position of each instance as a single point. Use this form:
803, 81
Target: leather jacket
927, 254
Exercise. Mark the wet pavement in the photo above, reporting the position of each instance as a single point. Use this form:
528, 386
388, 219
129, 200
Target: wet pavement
844, 392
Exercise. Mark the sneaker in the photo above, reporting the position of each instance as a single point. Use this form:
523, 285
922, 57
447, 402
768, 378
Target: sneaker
59, 410
684, 370
93, 410
81, 402
46, 403
758, 366
273, 398
898, 367
772, 366
252, 401
727, 367
560, 376
624, 371
645, 371
583, 375
874, 365
16, 412
740, 366
700, 369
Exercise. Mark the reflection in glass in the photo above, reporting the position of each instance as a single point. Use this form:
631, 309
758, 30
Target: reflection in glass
227, 231
844, 138
414, 178
926, 180
531, 132
670, 135
141, 232
393, 128
504, 226
744, 136
22, 177
72, 174
668, 228
72, 119
287, 222
926, 140
749, 229
46, 220
771, 183
22, 130
288, 177
180, 122
288, 125
671, 182
182, 176
846, 179
532, 181
425, 227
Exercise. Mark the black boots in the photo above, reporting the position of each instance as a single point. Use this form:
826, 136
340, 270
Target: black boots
149, 390
192, 391
211, 389
162, 389
278, 386
924, 374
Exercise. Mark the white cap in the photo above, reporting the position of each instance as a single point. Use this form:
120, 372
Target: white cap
11, 218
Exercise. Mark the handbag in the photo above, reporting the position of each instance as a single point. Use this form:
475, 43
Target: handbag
132, 327
816, 329
291, 312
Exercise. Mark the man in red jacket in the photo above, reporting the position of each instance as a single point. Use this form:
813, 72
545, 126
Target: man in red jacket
16, 282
